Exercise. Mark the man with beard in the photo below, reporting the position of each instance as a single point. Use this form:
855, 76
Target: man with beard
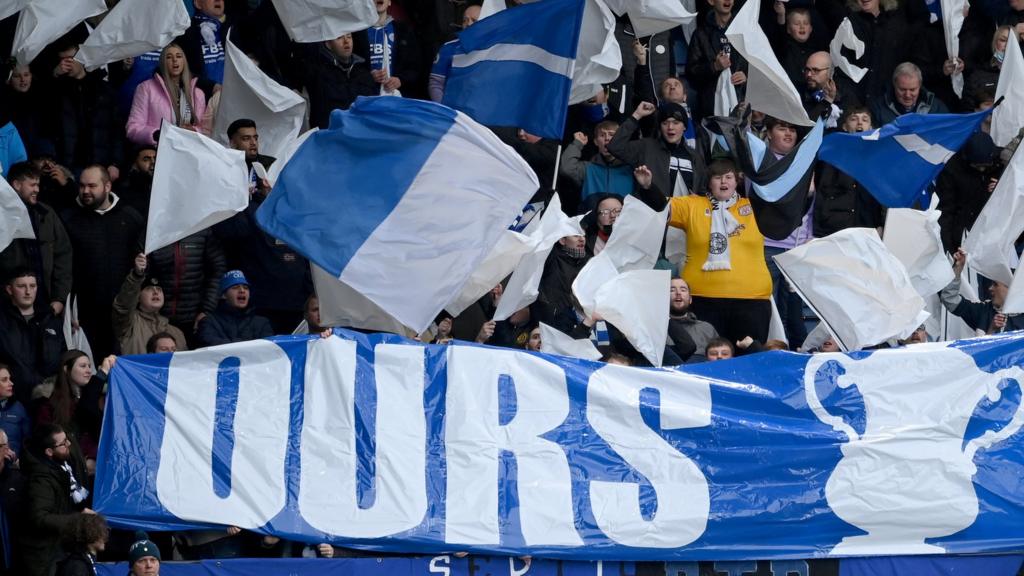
105, 237
684, 329
55, 493
135, 188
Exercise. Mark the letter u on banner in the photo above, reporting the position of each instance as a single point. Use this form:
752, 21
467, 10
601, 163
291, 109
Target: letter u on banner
186, 477
328, 497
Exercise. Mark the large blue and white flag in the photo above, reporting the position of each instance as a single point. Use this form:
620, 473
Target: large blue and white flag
898, 161
397, 198
515, 68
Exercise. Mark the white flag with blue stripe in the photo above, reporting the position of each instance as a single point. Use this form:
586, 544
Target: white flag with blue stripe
399, 199
515, 68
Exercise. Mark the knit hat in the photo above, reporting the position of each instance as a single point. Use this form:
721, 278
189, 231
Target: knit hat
141, 548
669, 110
151, 281
232, 278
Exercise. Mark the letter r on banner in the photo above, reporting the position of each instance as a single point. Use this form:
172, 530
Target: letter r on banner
474, 439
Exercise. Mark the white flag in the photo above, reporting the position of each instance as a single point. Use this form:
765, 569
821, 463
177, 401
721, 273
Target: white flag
952, 21
598, 56
1000, 222
597, 272
776, 329
132, 28
1008, 117
320, 20
725, 94
43, 21
196, 184
913, 237
285, 155
636, 303
856, 286
75, 338
14, 219
498, 264
10, 7
522, 288
249, 93
654, 16
1014, 303
769, 88
554, 341
491, 7
341, 305
845, 38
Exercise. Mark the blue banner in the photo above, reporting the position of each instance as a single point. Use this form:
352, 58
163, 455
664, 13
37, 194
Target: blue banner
381, 443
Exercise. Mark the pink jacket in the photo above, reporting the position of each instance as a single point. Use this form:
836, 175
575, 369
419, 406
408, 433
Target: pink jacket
152, 104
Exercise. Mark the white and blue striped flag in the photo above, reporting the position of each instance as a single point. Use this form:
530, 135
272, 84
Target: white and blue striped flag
399, 199
515, 68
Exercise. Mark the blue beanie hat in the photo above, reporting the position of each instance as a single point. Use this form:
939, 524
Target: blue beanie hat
232, 278
141, 548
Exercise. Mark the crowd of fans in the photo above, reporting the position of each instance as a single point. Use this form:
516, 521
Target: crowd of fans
80, 147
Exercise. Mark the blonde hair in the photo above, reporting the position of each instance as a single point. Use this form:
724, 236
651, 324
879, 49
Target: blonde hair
995, 36
174, 89
884, 5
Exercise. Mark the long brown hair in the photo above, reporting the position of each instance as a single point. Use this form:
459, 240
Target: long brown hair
63, 398
174, 89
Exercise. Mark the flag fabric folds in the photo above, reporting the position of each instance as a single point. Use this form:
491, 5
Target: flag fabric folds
898, 161
554, 341
515, 68
654, 16
14, 219
856, 286
340, 305
1008, 117
999, 224
43, 21
440, 193
952, 22
132, 28
320, 20
196, 184
780, 185
249, 93
769, 88
913, 237
845, 38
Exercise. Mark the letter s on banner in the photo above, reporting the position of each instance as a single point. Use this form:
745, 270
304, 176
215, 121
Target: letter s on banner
613, 409
328, 496
260, 425
474, 440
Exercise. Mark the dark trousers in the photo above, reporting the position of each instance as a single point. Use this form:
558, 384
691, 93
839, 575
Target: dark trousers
734, 318
789, 303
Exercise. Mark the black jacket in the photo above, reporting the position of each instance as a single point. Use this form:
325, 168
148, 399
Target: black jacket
841, 202
886, 44
49, 512
656, 154
227, 325
49, 255
87, 129
332, 84
189, 271
76, 564
705, 44
31, 348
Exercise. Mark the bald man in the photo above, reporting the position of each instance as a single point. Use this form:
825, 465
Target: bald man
826, 90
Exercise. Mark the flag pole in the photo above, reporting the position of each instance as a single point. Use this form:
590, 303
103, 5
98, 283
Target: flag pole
558, 161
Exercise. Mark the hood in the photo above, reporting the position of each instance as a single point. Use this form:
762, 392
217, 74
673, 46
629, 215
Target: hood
113, 202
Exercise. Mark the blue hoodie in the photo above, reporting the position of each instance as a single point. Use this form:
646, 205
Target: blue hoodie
12, 149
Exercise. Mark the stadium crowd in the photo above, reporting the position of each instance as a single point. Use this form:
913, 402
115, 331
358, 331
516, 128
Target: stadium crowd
79, 148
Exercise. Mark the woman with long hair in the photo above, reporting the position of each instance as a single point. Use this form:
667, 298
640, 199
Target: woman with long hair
84, 537
75, 402
171, 95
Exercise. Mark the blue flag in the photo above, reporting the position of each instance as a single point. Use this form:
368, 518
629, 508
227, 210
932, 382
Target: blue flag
399, 193
515, 68
898, 161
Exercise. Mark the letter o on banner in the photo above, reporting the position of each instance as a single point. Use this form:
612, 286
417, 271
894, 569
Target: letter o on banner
184, 480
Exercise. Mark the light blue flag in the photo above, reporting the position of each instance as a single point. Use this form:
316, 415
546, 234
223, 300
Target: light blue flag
898, 161
514, 68
399, 199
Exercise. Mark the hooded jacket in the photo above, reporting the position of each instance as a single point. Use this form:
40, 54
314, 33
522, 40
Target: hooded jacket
596, 175
132, 327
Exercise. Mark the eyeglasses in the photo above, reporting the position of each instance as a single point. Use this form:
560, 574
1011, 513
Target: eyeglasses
66, 442
808, 70
613, 212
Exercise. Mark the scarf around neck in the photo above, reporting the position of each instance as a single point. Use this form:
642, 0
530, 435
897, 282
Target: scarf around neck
723, 225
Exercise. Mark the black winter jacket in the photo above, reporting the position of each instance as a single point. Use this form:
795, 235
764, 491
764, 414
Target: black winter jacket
841, 202
49, 254
332, 84
705, 44
190, 272
87, 129
31, 348
227, 325
49, 512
